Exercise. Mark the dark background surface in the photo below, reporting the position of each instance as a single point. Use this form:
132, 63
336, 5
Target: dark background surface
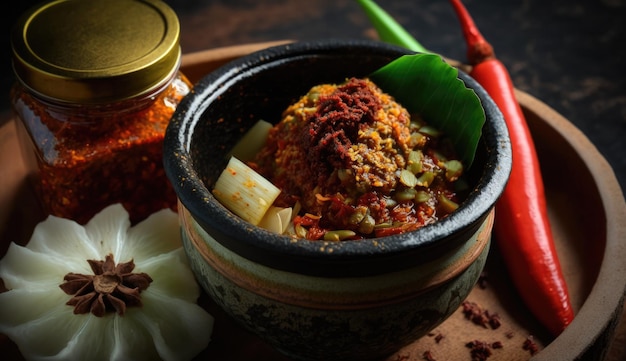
568, 54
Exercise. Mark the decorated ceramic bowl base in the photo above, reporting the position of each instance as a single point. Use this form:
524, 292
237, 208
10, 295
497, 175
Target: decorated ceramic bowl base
316, 319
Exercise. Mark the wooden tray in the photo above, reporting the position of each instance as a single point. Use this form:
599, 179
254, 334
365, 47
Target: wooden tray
588, 215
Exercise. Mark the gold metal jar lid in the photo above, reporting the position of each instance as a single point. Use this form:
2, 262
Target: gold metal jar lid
96, 51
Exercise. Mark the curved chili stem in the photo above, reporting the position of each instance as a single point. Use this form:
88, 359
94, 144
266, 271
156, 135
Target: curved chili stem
388, 29
522, 227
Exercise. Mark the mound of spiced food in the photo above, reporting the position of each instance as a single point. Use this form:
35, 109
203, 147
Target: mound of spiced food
353, 163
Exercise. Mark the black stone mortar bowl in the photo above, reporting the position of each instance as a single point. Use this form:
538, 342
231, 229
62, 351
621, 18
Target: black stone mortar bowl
317, 300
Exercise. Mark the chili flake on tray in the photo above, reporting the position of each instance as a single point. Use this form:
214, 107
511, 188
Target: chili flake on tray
359, 164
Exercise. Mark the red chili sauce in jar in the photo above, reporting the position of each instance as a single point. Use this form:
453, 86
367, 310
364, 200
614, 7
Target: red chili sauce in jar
359, 164
96, 85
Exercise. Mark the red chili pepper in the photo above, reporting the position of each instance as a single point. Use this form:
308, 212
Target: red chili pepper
522, 228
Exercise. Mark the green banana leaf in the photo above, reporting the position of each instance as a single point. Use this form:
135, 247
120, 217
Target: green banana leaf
425, 84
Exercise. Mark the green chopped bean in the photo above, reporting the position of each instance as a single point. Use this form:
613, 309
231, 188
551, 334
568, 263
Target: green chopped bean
408, 178
417, 139
313, 96
426, 179
383, 225
357, 216
422, 196
446, 204
431, 131
344, 174
367, 225
339, 235
390, 203
454, 169
414, 125
415, 161
405, 194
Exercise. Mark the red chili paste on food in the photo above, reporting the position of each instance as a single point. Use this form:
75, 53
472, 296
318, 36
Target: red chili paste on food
359, 164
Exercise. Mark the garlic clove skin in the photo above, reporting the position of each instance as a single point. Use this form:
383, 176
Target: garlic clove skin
139, 243
64, 242
175, 343
33, 312
175, 279
50, 333
27, 269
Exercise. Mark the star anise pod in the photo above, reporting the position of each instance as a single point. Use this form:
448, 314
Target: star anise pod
110, 289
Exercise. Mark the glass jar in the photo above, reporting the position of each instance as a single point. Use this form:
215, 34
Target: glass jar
97, 83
